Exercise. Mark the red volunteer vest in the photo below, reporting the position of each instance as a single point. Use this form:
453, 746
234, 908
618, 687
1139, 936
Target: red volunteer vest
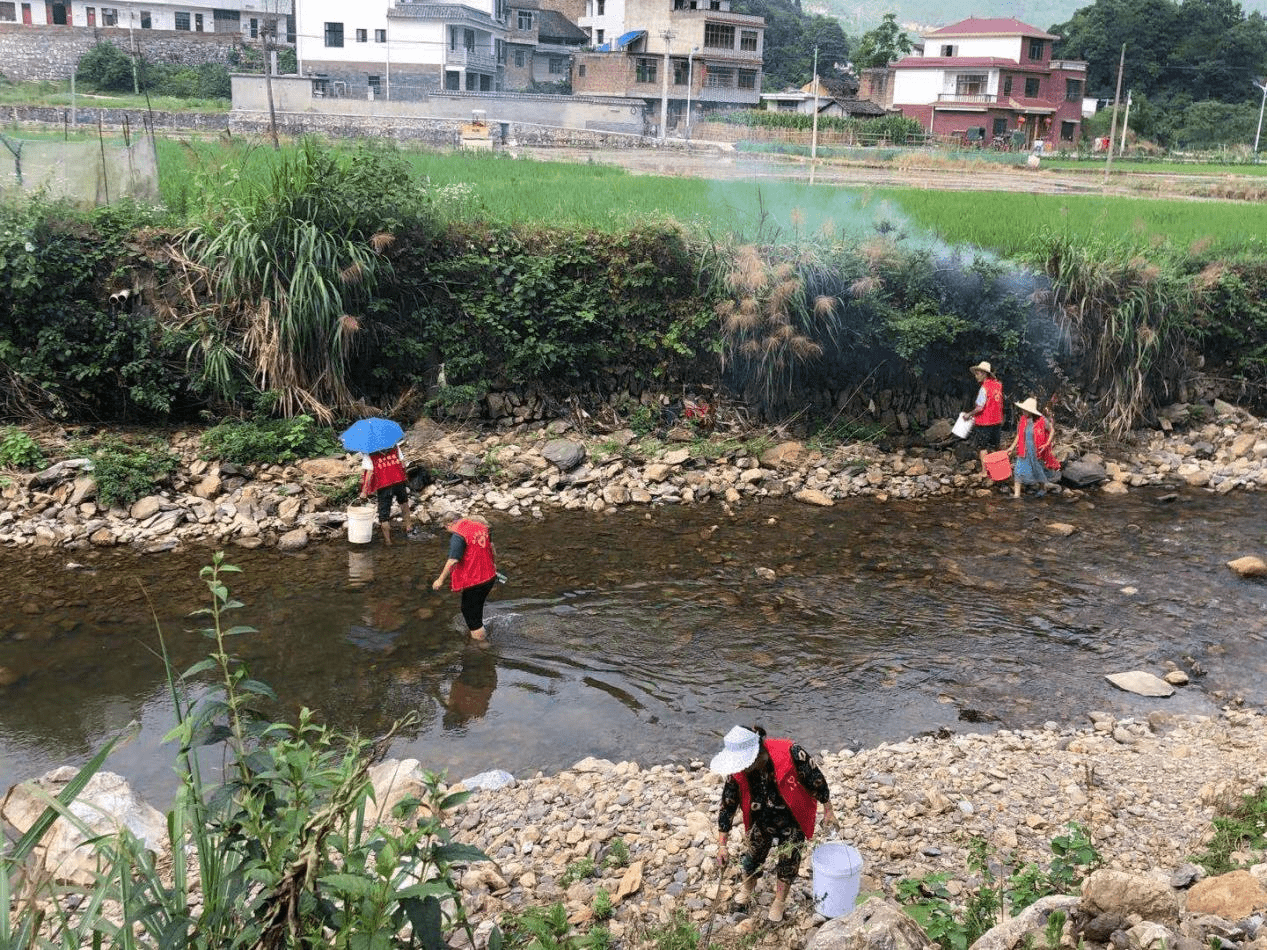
1045, 454
388, 469
992, 414
803, 805
476, 566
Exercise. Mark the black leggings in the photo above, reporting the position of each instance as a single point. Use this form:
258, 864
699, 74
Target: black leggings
473, 603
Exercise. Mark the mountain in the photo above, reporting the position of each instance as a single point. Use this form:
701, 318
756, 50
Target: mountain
858, 16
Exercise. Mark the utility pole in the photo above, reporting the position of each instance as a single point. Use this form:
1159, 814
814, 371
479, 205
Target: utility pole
1117, 96
268, 27
690, 79
813, 142
1126, 119
667, 36
136, 83
1263, 86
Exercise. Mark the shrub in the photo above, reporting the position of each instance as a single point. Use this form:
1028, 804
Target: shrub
19, 450
272, 440
125, 472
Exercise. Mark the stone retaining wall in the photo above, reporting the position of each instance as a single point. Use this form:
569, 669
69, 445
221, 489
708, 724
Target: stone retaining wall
52, 52
136, 119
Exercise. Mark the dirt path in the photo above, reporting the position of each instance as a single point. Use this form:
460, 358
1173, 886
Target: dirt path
913, 170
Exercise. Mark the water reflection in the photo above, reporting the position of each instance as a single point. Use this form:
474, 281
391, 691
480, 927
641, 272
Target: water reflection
646, 635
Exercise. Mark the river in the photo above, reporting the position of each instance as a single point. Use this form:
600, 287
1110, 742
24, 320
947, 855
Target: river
645, 634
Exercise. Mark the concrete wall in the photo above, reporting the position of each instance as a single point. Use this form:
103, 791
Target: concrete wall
293, 95
1004, 47
51, 52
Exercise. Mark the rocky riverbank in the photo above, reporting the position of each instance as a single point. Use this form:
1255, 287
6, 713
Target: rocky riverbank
1144, 792
522, 469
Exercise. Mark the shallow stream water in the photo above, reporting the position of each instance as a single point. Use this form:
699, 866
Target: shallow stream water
646, 634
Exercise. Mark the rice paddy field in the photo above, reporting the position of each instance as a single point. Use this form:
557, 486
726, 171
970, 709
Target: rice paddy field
508, 191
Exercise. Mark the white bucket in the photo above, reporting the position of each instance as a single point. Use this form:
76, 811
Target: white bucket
361, 524
963, 426
837, 873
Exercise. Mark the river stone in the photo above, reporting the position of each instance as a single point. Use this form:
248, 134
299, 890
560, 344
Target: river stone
1249, 566
1141, 683
677, 456
785, 453
85, 487
55, 473
939, 431
564, 453
655, 472
293, 540
1032, 920
102, 538
208, 486
106, 804
147, 507
812, 496
288, 510
323, 467
1121, 892
1083, 472
1061, 528
1176, 677
876, 925
1232, 896
1115, 488
489, 781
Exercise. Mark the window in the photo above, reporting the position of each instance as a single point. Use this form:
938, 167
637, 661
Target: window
786, 106
380, 36
717, 36
601, 7
334, 34
500, 51
520, 59
1031, 87
452, 81
361, 36
523, 19
146, 22
720, 77
1073, 90
580, 70
197, 22
558, 66
748, 40
182, 21
644, 69
8, 12
1000, 126
680, 68
253, 28
468, 40
1035, 49
472, 82
947, 50
109, 16
599, 36
747, 79
1007, 85
1066, 131
970, 84
376, 85
486, 83
91, 13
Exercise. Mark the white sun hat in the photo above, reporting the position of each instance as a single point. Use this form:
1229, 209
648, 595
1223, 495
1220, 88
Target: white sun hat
740, 748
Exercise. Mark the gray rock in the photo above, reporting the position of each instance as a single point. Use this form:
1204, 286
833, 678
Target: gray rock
490, 781
564, 453
1121, 892
294, 540
61, 470
1082, 473
876, 925
1032, 920
1141, 683
145, 508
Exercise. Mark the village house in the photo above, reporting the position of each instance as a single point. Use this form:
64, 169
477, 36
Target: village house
829, 102
244, 17
986, 82
673, 54
541, 43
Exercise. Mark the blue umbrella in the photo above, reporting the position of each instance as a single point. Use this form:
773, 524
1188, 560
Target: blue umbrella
372, 435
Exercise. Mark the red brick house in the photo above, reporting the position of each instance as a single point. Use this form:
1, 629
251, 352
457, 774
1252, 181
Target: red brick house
991, 80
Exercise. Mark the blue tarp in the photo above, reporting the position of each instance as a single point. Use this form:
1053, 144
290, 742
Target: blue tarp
629, 37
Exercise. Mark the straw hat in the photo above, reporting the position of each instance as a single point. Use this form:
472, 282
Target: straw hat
984, 367
740, 748
1030, 405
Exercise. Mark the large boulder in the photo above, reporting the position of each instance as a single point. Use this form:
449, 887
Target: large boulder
1032, 920
564, 453
1120, 892
1234, 896
106, 805
876, 925
1083, 473
1141, 683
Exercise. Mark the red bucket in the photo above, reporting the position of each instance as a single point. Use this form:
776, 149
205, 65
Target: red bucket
997, 465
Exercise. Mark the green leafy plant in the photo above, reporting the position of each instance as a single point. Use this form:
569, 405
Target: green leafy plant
19, 450
617, 854
126, 471
269, 440
542, 928
576, 871
341, 493
602, 904
644, 420
677, 934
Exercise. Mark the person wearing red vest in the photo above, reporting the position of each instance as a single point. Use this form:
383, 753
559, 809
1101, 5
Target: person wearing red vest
383, 473
1036, 464
778, 788
987, 413
470, 569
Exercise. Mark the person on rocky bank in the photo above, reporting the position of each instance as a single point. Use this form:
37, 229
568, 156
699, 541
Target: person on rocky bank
987, 412
471, 569
778, 787
383, 473
1036, 464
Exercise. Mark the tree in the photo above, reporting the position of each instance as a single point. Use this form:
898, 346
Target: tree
881, 46
790, 38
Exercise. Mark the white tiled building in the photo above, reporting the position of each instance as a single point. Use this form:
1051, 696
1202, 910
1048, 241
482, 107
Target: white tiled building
246, 17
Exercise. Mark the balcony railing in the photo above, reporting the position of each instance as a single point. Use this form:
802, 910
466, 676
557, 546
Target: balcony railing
985, 98
470, 57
